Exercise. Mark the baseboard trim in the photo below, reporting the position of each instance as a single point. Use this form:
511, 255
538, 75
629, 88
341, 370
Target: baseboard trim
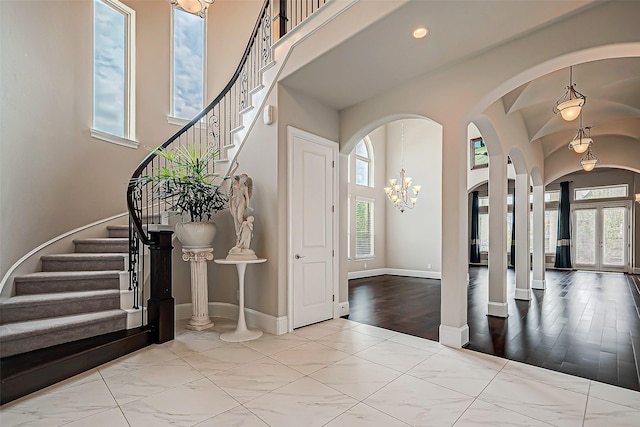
539, 284
255, 319
48, 366
635, 271
498, 309
423, 274
454, 337
343, 308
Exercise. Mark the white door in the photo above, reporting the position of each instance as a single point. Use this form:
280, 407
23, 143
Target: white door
601, 237
311, 209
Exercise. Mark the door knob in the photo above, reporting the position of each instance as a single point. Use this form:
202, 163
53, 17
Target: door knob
299, 256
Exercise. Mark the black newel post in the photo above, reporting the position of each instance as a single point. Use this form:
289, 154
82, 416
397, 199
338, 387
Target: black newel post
161, 304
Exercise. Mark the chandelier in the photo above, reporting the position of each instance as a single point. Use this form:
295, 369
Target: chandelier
582, 141
400, 192
570, 104
196, 7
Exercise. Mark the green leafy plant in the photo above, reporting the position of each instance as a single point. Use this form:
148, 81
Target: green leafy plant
185, 182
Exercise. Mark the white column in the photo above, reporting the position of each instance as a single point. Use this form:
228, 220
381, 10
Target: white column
538, 238
454, 331
199, 292
497, 236
523, 258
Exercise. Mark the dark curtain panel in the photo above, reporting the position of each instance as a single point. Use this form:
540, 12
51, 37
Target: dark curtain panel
563, 249
513, 232
474, 257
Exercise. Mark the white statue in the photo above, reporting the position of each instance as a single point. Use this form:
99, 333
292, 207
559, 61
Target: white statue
239, 197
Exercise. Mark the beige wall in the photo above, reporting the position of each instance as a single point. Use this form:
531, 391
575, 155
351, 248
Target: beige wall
53, 176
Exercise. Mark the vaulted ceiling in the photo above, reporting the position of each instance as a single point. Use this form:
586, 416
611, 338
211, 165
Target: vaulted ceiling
381, 56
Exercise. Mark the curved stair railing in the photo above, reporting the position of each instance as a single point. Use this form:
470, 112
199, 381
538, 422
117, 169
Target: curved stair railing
215, 126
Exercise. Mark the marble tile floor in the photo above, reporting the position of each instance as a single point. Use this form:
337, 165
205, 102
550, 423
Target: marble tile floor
335, 373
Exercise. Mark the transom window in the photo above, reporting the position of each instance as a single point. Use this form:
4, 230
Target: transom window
113, 70
187, 89
604, 192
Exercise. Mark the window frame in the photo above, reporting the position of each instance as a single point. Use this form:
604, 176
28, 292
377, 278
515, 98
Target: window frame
371, 203
369, 160
171, 117
600, 187
129, 138
472, 154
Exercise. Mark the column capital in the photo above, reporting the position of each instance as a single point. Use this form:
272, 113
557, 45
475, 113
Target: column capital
200, 254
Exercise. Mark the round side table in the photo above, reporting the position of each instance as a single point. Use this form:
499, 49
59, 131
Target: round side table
241, 333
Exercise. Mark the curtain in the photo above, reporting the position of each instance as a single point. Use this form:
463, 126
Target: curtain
563, 248
513, 232
474, 257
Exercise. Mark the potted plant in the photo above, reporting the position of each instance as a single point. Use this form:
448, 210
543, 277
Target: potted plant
188, 187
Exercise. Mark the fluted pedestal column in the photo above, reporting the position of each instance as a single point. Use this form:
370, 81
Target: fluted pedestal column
199, 291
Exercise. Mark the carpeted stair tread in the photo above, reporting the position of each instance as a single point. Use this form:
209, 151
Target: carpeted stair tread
69, 275
102, 245
118, 230
40, 306
83, 261
21, 337
66, 281
55, 297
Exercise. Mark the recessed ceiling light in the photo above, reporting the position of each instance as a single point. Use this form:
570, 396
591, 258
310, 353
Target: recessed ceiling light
419, 33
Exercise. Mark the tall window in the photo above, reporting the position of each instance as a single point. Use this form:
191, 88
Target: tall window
364, 228
363, 163
188, 65
113, 69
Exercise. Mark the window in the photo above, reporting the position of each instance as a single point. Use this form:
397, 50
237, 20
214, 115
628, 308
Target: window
349, 227
483, 225
550, 230
364, 228
606, 192
479, 154
113, 70
187, 89
363, 164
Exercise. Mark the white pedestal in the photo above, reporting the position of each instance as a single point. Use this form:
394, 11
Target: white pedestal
199, 291
241, 333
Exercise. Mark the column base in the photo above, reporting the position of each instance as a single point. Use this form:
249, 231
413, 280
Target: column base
539, 284
498, 309
454, 337
199, 324
523, 294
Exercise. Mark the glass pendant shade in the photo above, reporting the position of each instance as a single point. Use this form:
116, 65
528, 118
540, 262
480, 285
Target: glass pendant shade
589, 161
580, 145
570, 110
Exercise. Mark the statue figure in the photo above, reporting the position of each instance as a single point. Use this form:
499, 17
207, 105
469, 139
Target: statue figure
239, 198
246, 233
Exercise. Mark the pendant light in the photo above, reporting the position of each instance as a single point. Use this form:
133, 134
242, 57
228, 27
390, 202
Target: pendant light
196, 7
582, 141
570, 104
400, 192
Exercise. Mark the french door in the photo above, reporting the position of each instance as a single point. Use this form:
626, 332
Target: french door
601, 237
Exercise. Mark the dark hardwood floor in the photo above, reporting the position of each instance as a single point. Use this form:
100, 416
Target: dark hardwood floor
585, 323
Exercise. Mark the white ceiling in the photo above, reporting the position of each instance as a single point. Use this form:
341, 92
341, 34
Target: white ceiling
387, 54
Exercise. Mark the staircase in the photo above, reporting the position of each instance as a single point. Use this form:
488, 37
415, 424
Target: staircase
75, 296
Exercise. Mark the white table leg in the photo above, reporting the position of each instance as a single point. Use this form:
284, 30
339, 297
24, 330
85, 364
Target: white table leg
241, 333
